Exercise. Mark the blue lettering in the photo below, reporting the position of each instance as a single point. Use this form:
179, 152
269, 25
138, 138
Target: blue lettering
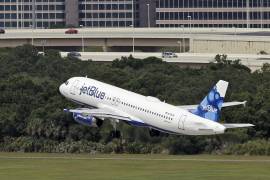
84, 90
96, 94
102, 95
81, 91
92, 91
88, 90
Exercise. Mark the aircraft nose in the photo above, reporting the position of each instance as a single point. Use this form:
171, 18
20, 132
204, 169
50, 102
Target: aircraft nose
61, 89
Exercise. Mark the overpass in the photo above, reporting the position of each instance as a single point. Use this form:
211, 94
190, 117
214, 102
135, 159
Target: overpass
194, 40
254, 62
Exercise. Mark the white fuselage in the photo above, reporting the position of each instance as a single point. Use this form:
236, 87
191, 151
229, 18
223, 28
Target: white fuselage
142, 110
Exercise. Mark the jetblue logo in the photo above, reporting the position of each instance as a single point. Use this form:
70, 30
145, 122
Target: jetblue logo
209, 108
92, 91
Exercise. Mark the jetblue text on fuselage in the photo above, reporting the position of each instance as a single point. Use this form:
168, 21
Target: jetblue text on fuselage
92, 91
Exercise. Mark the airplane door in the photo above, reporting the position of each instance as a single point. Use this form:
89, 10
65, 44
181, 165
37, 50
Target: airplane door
75, 87
181, 123
116, 101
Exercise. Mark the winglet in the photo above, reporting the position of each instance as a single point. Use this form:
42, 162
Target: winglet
66, 110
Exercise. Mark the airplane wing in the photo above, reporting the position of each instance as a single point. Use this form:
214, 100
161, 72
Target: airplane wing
226, 104
231, 126
105, 113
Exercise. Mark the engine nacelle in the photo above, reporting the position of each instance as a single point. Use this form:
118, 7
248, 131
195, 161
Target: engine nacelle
87, 120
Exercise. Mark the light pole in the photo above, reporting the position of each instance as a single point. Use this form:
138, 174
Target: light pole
183, 28
180, 43
133, 40
32, 38
261, 14
235, 42
43, 42
17, 13
189, 20
148, 14
82, 39
133, 12
183, 39
248, 15
85, 13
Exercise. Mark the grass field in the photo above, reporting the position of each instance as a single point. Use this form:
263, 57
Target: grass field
132, 167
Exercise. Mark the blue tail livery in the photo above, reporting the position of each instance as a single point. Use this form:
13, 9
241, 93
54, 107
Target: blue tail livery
211, 105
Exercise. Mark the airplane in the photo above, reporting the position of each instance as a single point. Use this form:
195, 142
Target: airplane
102, 101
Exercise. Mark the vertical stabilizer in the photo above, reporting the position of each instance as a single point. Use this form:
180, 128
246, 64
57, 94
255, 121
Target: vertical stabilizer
210, 107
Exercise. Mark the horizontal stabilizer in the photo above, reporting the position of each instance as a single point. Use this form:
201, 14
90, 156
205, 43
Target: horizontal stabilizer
235, 103
231, 126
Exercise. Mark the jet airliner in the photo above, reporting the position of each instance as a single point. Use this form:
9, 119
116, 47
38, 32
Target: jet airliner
107, 102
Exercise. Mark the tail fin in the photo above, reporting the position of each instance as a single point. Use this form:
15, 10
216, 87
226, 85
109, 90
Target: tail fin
210, 107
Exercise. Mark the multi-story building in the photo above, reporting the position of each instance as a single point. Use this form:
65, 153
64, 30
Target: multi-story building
106, 13
140, 13
32, 13
213, 13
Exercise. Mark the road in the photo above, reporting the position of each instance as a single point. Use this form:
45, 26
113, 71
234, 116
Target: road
254, 62
226, 34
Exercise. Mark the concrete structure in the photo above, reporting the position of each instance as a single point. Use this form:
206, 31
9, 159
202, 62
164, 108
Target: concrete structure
137, 13
254, 62
203, 40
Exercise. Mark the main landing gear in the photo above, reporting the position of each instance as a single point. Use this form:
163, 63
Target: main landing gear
115, 133
154, 133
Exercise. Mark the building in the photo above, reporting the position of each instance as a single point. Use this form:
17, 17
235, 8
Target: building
32, 13
138, 13
213, 13
106, 13
60, 13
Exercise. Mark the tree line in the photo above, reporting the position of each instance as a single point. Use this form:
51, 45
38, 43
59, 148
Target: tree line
32, 117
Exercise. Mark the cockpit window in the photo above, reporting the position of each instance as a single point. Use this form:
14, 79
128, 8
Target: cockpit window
66, 83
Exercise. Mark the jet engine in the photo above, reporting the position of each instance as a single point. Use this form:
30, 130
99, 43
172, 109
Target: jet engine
87, 120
